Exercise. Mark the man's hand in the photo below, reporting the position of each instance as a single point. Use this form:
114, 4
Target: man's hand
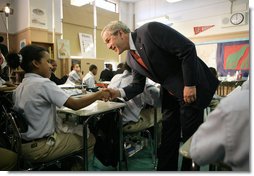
114, 93
105, 95
189, 94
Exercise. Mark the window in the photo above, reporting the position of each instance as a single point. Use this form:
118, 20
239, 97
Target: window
108, 5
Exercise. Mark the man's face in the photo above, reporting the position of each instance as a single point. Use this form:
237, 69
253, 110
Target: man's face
117, 41
94, 71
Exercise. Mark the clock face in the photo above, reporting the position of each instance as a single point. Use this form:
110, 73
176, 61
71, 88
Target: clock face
237, 18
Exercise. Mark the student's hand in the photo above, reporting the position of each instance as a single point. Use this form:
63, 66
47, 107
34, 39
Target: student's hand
114, 93
189, 94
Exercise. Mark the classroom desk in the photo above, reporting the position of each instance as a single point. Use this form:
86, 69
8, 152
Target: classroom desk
94, 110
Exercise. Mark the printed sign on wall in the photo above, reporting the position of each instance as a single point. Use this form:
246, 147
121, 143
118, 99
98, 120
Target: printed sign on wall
86, 45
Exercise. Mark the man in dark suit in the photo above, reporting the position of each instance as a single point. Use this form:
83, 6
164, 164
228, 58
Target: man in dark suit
187, 85
107, 74
53, 77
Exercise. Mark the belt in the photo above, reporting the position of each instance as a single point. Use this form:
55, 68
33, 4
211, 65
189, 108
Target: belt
34, 140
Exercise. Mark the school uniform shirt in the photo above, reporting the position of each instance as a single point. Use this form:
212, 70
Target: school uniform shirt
89, 80
225, 136
73, 78
36, 98
132, 110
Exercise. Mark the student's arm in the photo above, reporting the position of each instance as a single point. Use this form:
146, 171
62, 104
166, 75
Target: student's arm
78, 103
9, 84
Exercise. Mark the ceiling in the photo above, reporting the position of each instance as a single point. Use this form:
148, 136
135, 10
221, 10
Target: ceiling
128, 0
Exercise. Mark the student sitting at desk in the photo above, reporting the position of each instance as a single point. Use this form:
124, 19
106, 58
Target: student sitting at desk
74, 76
2, 81
225, 136
36, 98
89, 79
53, 77
134, 106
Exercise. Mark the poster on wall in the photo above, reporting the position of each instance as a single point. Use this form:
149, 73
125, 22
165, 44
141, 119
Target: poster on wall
38, 18
63, 48
233, 56
86, 45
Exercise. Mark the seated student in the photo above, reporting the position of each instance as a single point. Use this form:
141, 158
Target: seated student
36, 98
53, 77
89, 79
74, 76
131, 112
107, 73
2, 81
225, 136
120, 69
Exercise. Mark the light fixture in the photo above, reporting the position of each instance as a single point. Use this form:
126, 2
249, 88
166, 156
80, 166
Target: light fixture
173, 1
7, 11
162, 19
80, 3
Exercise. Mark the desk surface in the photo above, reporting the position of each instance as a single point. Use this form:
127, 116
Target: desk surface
94, 108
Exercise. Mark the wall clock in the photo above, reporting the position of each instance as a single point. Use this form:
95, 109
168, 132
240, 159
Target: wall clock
237, 18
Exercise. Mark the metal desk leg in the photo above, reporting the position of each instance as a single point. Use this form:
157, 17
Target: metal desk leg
120, 127
85, 146
155, 138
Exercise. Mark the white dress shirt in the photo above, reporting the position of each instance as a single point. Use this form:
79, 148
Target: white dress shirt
73, 78
133, 107
225, 136
89, 80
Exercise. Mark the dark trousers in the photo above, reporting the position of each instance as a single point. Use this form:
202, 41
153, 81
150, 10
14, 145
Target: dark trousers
180, 121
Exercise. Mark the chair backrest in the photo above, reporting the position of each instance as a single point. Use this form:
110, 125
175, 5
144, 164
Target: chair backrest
15, 125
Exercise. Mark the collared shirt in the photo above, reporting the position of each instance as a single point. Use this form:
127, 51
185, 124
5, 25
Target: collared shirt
36, 98
73, 77
151, 95
132, 110
89, 80
225, 136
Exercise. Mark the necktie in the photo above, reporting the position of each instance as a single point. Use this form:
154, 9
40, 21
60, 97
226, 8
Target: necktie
138, 58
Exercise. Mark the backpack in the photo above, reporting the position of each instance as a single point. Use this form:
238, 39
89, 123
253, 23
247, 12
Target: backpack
106, 133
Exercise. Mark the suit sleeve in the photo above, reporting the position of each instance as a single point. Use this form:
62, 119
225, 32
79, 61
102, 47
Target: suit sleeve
178, 46
136, 87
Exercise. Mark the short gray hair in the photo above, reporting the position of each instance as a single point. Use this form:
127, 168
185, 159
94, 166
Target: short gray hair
115, 26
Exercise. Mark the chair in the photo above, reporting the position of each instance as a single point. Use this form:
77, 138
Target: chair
225, 87
184, 149
15, 125
136, 133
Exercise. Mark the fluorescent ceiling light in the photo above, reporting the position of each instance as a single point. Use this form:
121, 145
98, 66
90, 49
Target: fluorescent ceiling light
163, 19
80, 2
172, 1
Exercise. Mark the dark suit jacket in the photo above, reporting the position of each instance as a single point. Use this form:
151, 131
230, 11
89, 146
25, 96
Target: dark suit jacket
106, 75
57, 80
118, 71
172, 61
